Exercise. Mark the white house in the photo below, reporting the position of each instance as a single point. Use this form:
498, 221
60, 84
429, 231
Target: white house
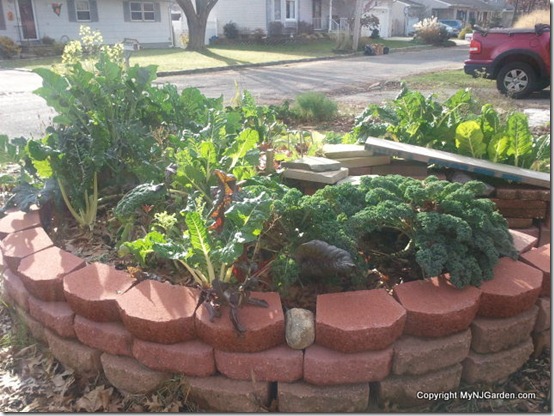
28, 21
396, 17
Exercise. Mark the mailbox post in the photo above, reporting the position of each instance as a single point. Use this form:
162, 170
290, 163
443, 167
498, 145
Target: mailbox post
129, 46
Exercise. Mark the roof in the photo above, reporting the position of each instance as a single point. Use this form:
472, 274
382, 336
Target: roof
477, 4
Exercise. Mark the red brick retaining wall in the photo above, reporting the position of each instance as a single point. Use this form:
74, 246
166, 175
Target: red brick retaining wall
427, 337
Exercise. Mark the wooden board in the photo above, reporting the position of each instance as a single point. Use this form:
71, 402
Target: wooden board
451, 160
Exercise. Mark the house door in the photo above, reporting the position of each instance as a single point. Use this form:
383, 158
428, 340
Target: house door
317, 15
27, 16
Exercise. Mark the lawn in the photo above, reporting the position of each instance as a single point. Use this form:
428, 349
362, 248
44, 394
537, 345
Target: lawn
175, 59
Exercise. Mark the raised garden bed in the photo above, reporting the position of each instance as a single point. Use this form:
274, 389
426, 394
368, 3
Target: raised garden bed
427, 337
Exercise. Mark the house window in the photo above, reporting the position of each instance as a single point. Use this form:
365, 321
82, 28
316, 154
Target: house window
82, 10
142, 12
277, 10
290, 12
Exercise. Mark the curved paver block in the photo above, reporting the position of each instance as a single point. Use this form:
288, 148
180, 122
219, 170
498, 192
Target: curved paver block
265, 327
93, 291
358, 321
302, 397
159, 312
57, 316
17, 221
20, 244
540, 258
192, 358
281, 363
128, 375
42, 273
110, 337
323, 366
73, 354
514, 289
15, 289
436, 308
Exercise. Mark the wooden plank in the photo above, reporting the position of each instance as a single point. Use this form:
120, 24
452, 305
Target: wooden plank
451, 160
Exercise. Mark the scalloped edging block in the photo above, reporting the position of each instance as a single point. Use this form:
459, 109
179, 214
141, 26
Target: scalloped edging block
42, 272
221, 394
514, 289
490, 368
93, 291
192, 358
281, 363
403, 390
73, 354
543, 317
18, 221
57, 316
302, 397
20, 244
540, 258
323, 366
414, 356
159, 312
358, 321
15, 289
436, 308
37, 329
128, 375
522, 241
492, 335
110, 337
265, 327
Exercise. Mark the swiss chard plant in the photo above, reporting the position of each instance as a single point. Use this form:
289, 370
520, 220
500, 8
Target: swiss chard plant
456, 125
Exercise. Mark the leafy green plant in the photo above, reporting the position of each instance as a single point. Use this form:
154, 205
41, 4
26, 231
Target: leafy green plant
456, 125
433, 227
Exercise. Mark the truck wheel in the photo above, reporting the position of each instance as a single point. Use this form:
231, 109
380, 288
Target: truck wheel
516, 79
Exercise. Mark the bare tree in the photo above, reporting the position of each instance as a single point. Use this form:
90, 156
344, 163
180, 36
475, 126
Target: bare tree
197, 19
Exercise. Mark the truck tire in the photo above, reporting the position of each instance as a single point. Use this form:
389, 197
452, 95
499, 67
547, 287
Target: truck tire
516, 79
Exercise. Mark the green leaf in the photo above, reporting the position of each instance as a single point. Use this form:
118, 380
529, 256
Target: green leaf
246, 141
520, 139
497, 148
469, 139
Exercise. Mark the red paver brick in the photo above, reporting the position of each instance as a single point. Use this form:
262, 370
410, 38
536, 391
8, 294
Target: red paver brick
36, 328
18, 221
42, 273
323, 366
490, 368
302, 397
220, 394
56, 316
403, 390
540, 258
543, 317
265, 327
514, 289
23, 243
129, 376
73, 354
192, 358
15, 289
281, 363
159, 312
436, 308
110, 337
414, 355
358, 321
93, 291
493, 335
519, 222
522, 241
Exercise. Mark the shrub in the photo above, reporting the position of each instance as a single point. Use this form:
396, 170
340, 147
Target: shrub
533, 18
305, 27
314, 106
467, 29
231, 30
431, 32
8, 48
275, 29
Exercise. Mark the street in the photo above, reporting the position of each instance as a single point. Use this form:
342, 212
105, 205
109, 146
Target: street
24, 114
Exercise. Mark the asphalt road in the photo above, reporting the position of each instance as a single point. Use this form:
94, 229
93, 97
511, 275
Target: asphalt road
24, 114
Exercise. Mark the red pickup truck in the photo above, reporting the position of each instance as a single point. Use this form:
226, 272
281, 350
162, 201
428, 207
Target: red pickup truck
518, 59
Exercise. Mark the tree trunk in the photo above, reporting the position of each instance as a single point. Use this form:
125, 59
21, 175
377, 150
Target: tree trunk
197, 19
197, 33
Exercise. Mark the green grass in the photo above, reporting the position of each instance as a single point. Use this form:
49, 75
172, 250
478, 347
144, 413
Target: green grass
448, 79
175, 59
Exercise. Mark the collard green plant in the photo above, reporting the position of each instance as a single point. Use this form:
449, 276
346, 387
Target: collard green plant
457, 125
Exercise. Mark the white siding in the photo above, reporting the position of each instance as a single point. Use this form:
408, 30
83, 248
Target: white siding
11, 30
110, 23
305, 11
247, 14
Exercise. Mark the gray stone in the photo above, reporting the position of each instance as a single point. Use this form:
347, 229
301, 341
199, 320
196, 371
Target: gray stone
313, 164
342, 151
364, 161
299, 328
329, 178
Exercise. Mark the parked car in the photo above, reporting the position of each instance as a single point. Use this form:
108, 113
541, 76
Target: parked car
518, 59
449, 29
456, 25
